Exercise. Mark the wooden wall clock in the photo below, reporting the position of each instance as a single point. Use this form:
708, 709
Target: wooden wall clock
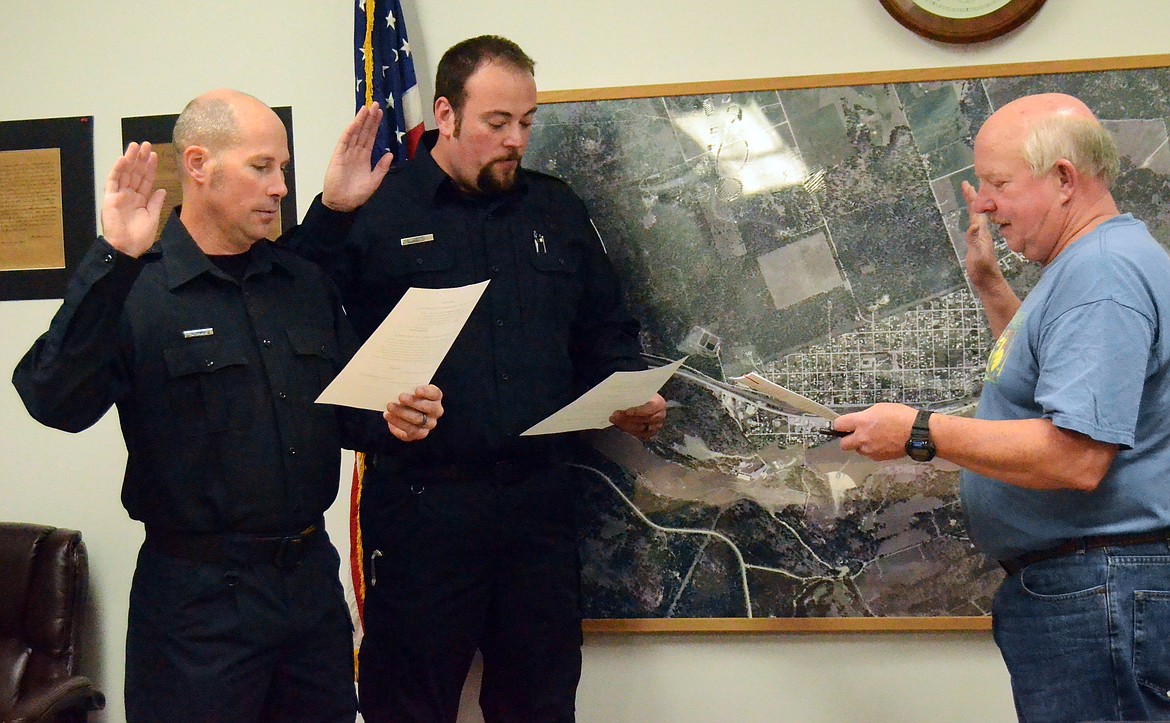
962, 21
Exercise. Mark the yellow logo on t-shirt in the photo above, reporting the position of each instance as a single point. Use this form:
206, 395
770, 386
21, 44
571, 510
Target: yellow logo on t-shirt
999, 352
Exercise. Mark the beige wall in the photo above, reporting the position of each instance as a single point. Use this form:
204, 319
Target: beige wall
115, 58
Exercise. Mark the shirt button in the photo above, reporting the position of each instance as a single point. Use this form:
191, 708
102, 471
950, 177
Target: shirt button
208, 363
108, 258
282, 395
505, 377
499, 322
292, 451
418, 262
495, 269
266, 342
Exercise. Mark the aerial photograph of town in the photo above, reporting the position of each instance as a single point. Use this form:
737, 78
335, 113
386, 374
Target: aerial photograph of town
813, 237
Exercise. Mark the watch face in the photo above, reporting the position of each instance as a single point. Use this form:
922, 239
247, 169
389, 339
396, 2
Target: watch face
961, 21
920, 450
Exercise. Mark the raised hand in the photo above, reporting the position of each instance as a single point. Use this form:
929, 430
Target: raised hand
981, 263
131, 207
999, 301
349, 180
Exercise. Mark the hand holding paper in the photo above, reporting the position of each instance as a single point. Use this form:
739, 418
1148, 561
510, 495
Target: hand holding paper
643, 421
620, 390
406, 349
757, 383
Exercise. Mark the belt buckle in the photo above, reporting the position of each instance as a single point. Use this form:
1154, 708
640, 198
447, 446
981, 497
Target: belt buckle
289, 552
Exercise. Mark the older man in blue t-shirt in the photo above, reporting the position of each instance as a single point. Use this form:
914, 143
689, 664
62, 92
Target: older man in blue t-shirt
1067, 464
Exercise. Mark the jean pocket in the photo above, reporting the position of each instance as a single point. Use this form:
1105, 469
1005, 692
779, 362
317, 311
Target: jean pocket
1065, 578
1151, 643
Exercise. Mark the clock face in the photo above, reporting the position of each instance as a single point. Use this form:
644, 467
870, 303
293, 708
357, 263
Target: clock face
961, 9
962, 21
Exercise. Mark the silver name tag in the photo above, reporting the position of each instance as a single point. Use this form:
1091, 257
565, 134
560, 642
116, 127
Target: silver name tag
193, 333
412, 240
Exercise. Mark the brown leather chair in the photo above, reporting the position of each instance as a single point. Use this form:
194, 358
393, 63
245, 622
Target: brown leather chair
44, 573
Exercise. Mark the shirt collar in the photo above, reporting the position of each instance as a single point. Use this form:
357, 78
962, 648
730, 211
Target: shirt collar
432, 180
183, 260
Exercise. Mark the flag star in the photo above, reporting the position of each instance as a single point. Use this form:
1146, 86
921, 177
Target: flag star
406, 47
391, 21
362, 5
362, 50
389, 102
399, 133
359, 86
395, 56
385, 69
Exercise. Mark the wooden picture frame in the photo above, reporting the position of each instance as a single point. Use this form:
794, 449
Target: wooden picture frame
608, 144
49, 221
961, 21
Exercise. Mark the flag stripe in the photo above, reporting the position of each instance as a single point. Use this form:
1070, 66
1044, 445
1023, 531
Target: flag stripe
368, 54
385, 74
355, 538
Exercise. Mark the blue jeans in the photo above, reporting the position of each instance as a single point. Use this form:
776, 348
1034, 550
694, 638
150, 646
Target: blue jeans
1086, 637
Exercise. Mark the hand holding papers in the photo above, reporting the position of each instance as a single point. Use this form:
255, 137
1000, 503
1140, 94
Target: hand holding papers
406, 348
621, 390
757, 383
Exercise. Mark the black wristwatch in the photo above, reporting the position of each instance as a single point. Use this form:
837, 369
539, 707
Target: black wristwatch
919, 447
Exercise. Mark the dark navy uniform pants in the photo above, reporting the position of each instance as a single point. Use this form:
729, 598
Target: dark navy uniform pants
239, 642
456, 566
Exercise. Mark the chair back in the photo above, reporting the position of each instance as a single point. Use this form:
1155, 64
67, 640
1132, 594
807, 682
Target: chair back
44, 576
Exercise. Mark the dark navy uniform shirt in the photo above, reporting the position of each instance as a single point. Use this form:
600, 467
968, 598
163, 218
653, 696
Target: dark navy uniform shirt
551, 323
214, 380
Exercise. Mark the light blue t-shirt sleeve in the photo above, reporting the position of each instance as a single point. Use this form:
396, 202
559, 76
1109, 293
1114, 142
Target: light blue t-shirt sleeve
1093, 359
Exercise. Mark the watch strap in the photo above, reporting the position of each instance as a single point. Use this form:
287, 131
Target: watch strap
921, 428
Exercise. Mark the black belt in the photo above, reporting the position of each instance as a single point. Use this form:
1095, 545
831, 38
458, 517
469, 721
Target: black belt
284, 551
1072, 547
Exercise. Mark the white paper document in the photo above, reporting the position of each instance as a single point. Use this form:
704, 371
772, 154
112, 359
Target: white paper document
620, 390
757, 383
406, 349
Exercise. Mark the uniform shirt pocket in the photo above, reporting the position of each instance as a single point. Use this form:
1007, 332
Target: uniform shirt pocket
552, 291
207, 387
424, 264
316, 356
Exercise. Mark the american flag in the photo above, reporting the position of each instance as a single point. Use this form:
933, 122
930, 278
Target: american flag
384, 70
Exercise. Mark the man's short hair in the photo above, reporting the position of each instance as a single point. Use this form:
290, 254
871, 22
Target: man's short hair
1081, 141
464, 58
207, 122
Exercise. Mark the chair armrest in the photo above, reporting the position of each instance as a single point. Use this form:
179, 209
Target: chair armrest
74, 695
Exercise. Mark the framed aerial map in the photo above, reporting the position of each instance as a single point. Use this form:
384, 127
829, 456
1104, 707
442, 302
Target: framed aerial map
810, 230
